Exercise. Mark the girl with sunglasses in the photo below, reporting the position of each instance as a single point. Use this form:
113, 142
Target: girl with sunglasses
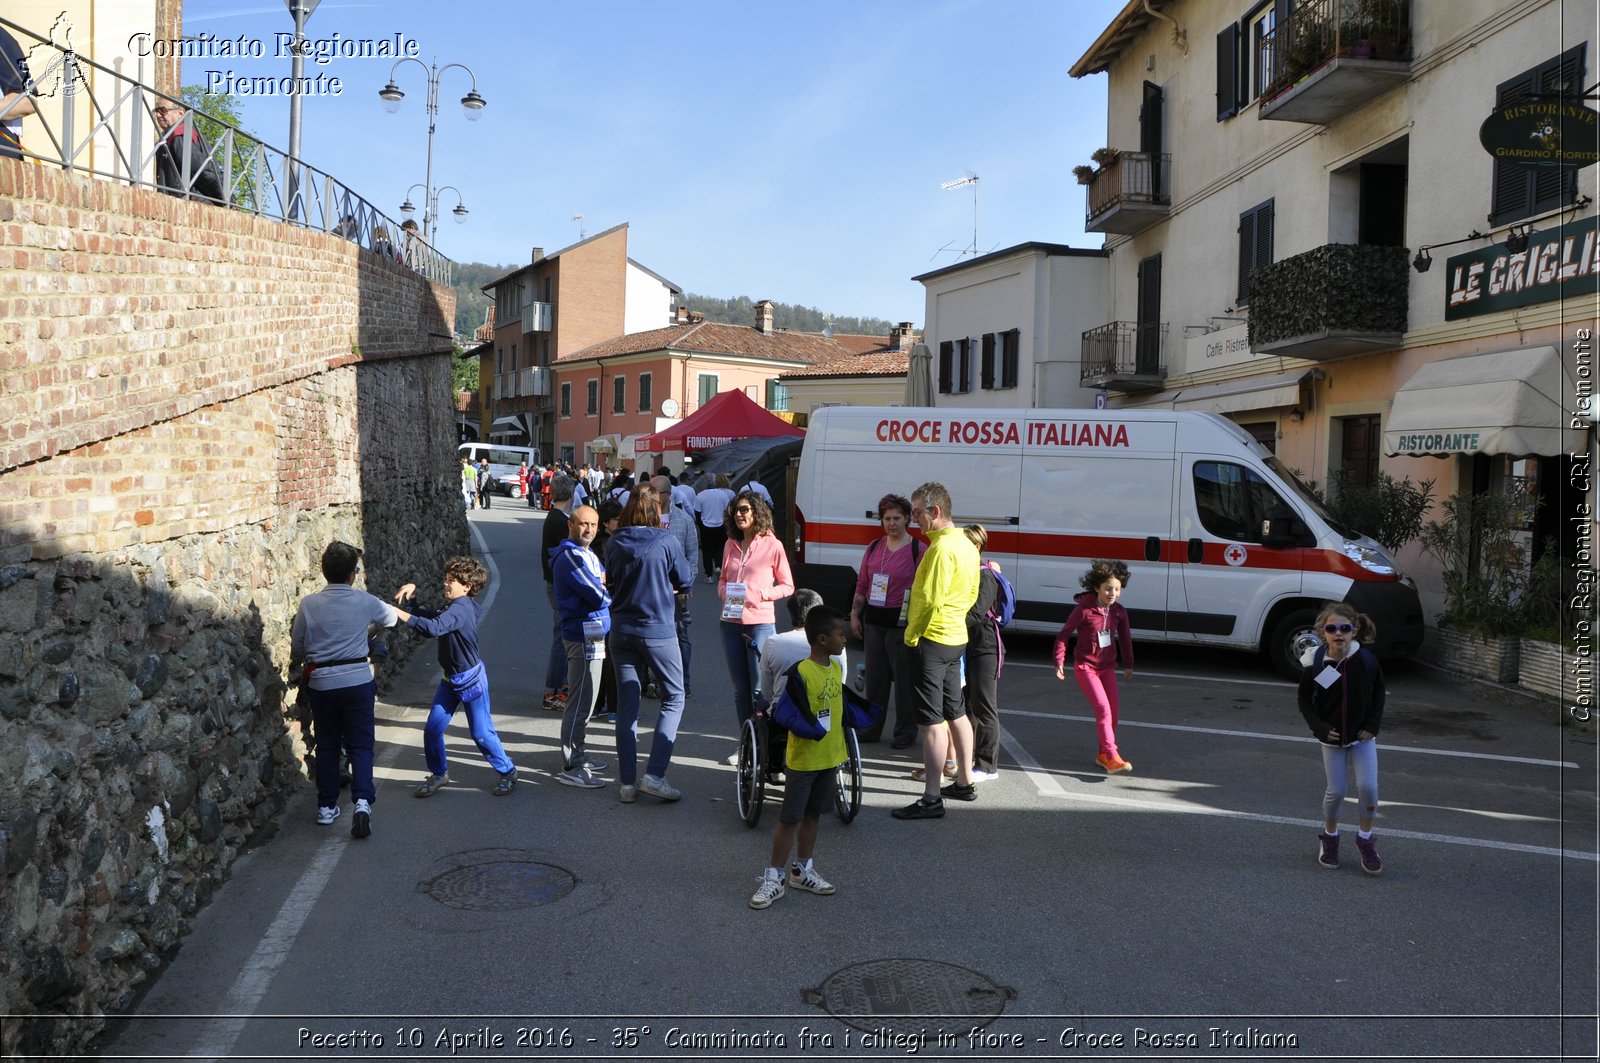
1341, 697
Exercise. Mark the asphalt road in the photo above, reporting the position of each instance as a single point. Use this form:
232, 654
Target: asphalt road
1177, 912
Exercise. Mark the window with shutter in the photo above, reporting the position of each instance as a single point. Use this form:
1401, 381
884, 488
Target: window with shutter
1010, 351
594, 397
566, 400
986, 368
1255, 245
963, 381
1147, 334
946, 366
646, 389
1228, 72
619, 395
1523, 191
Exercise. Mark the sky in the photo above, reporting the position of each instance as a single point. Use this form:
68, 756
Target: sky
789, 151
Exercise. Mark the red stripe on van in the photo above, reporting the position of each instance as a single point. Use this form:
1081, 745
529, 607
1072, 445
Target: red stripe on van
1123, 548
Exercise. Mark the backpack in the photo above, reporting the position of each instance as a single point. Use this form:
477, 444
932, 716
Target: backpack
1005, 598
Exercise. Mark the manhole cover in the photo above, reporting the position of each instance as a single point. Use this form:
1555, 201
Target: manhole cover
867, 995
500, 886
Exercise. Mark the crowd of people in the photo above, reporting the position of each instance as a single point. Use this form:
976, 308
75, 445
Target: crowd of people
620, 563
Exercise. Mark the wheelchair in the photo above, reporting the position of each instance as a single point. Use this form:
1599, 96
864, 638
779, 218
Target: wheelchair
761, 747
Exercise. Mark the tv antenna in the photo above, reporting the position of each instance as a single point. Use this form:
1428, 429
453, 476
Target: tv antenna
962, 182
579, 219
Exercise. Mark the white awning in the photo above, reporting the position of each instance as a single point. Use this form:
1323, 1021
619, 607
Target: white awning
1269, 392
1502, 402
607, 444
510, 424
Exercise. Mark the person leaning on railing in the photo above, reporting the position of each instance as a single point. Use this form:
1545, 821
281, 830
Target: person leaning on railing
16, 102
174, 122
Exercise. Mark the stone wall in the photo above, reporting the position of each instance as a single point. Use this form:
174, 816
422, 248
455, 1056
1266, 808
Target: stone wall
206, 400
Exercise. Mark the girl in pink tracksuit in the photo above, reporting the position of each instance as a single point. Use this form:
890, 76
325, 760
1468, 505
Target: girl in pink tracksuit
1103, 633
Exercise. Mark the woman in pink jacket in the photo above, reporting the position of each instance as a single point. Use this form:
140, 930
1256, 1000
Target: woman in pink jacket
1103, 631
755, 573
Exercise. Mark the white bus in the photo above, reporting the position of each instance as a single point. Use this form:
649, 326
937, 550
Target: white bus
503, 463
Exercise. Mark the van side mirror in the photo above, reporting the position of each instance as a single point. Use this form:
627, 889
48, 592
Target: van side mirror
1281, 529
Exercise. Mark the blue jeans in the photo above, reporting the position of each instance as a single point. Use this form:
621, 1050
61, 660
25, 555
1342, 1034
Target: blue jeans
343, 718
1336, 763
741, 645
661, 656
479, 722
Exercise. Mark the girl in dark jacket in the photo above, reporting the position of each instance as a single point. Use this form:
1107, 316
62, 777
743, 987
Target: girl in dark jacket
1341, 697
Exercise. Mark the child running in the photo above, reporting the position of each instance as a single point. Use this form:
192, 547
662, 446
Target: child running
1099, 622
1341, 697
465, 682
815, 687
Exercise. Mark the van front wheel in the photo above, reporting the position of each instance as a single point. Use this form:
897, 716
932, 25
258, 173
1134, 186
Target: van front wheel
1290, 638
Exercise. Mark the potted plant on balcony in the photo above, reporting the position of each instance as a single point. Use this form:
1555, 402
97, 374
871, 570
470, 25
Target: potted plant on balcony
1477, 544
1386, 29
1310, 47
1104, 157
1084, 174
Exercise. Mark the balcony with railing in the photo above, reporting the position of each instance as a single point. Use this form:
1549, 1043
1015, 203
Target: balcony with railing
537, 317
90, 119
1125, 356
1332, 57
1131, 192
1334, 301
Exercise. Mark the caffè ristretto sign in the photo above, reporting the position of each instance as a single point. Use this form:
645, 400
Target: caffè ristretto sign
1542, 134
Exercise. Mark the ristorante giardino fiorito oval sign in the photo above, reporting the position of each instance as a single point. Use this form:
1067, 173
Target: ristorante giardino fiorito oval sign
1550, 134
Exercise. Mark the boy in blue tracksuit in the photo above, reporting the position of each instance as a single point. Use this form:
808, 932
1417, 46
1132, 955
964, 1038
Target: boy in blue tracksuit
465, 682
584, 609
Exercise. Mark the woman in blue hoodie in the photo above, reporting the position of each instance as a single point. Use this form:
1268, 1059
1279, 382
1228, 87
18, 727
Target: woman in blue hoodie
645, 571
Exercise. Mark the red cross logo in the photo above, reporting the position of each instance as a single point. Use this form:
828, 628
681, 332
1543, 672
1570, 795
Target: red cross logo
1234, 555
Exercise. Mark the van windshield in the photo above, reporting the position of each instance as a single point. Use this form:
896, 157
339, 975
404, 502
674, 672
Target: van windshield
1305, 494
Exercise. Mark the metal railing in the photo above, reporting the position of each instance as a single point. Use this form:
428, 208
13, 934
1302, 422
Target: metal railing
1321, 30
1122, 349
1131, 177
110, 134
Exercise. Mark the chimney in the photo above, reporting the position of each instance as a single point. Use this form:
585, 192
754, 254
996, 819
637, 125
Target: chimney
901, 335
764, 317
538, 253
680, 316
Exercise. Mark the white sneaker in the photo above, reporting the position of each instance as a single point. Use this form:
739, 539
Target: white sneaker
626, 793
771, 888
659, 788
361, 822
732, 759
809, 881
978, 775
326, 815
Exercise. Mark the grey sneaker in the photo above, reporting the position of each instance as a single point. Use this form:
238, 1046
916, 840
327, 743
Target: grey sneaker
660, 788
626, 793
506, 784
595, 764
326, 814
1329, 856
770, 890
432, 785
809, 881
580, 776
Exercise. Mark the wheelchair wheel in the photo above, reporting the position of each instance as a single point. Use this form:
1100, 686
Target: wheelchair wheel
847, 781
750, 779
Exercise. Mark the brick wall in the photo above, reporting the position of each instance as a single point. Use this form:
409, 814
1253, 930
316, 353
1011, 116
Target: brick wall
194, 402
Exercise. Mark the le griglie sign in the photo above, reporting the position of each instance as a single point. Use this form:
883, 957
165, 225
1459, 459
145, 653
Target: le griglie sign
1543, 134
1559, 263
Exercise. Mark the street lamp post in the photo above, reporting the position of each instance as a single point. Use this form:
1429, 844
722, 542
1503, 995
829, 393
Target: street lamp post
471, 106
430, 203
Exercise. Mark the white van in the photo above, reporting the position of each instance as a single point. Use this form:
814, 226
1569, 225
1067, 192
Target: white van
1224, 546
503, 463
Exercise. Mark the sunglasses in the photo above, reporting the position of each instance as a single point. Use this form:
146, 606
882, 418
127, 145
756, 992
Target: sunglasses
1338, 629
743, 509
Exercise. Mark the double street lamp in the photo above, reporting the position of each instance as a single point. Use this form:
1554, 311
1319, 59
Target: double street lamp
471, 106
430, 202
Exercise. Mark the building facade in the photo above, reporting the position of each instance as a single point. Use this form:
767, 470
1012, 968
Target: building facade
871, 373
1277, 180
558, 304
1004, 327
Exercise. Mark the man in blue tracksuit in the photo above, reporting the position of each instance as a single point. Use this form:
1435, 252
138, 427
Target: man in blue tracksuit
583, 608
466, 682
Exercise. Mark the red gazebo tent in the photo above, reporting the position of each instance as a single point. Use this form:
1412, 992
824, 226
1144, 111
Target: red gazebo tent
728, 416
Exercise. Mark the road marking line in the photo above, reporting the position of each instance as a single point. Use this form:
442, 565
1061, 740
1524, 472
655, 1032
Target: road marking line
1049, 786
1281, 684
1293, 738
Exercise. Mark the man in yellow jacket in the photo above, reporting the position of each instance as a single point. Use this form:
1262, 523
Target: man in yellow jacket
944, 589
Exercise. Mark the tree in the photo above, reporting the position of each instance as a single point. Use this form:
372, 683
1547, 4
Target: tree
463, 372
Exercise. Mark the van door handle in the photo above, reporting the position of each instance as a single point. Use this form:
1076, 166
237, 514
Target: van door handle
1152, 548
1197, 551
